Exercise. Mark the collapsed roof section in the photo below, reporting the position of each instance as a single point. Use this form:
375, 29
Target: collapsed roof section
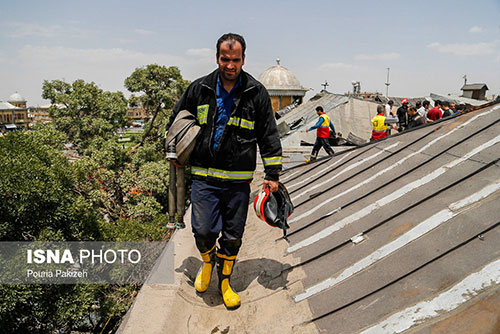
348, 114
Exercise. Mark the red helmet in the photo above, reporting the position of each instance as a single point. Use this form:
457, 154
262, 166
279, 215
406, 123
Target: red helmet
274, 208
405, 100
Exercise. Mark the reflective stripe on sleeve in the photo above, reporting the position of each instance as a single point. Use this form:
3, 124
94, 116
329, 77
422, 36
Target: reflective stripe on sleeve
272, 161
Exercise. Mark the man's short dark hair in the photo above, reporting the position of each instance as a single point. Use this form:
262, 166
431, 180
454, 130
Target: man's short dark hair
426, 103
231, 37
391, 102
445, 104
319, 108
380, 108
418, 104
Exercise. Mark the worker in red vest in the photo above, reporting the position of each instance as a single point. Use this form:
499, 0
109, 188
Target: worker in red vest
322, 127
380, 124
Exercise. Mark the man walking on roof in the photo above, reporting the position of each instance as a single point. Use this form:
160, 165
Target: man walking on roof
322, 127
235, 114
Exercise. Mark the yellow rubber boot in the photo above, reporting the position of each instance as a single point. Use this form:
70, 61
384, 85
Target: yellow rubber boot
205, 274
225, 269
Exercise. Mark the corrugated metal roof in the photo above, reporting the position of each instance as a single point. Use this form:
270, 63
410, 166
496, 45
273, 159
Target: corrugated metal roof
474, 86
400, 235
458, 99
417, 202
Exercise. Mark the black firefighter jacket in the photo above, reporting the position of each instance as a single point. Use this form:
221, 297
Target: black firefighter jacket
251, 123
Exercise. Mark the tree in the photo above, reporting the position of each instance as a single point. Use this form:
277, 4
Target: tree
106, 194
160, 88
44, 197
37, 192
83, 111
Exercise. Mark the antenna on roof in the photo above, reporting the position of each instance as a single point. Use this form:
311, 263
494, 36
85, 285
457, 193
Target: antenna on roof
387, 83
325, 85
356, 87
278, 61
465, 79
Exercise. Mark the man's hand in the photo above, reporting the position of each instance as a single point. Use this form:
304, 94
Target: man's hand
273, 185
307, 130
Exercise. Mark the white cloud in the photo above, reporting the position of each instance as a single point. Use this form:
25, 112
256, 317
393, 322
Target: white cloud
144, 32
201, 53
126, 41
477, 29
336, 66
475, 49
379, 56
33, 29
25, 29
106, 67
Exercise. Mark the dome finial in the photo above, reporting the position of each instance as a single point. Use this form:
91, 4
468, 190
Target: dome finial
278, 61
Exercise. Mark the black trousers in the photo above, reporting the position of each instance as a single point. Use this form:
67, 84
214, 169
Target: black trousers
219, 211
321, 142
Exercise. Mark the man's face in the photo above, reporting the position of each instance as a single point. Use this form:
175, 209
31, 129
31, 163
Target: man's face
230, 60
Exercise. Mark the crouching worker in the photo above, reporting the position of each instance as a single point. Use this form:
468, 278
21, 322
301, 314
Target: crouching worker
235, 115
381, 124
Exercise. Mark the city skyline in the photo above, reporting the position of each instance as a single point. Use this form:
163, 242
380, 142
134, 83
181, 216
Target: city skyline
428, 46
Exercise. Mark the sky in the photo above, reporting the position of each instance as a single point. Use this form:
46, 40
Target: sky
428, 45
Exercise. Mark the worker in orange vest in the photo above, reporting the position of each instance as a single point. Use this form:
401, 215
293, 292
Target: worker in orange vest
322, 127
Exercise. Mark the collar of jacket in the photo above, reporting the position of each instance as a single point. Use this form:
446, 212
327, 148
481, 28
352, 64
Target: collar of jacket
247, 81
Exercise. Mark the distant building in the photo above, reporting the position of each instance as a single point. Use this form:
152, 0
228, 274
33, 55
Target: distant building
14, 111
283, 86
138, 113
41, 113
475, 91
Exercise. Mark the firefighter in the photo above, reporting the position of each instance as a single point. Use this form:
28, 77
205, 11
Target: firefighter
235, 115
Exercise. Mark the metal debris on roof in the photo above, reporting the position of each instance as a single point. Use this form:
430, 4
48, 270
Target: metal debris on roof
349, 115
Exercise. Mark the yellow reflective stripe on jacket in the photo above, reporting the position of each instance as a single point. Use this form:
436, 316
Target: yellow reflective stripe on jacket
199, 171
247, 124
222, 174
244, 123
202, 113
272, 161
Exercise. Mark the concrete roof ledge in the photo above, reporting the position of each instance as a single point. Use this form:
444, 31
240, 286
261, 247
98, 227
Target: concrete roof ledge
267, 305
